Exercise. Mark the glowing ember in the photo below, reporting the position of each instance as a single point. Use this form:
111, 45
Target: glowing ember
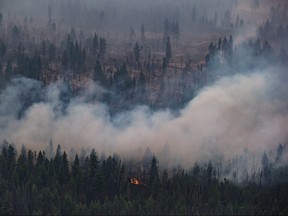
135, 181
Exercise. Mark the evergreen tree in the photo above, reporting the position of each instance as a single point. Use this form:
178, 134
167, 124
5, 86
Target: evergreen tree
141, 87
49, 12
99, 74
219, 44
132, 34
280, 150
102, 45
154, 181
9, 70
1, 18
215, 18
225, 45
93, 164
95, 44
230, 45
51, 52
194, 15
267, 49
137, 52
237, 22
73, 34
50, 150
168, 50
166, 30
142, 33
241, 23
2, 48
266, 167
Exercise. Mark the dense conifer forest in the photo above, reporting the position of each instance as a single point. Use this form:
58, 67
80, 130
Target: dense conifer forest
31, 183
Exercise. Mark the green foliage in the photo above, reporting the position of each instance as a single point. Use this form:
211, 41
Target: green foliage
34, 184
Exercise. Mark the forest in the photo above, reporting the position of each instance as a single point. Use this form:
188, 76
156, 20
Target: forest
157, 107
32, 184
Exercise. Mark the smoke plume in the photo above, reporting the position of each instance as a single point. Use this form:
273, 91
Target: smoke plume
236, 113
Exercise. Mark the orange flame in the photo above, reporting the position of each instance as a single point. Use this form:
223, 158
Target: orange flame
135, 181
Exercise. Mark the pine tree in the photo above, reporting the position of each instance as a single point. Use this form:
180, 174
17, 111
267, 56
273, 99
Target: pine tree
49, 13
154, 181
137, 52
166, 29
266, 167
64, 170
93, 166
99, 74
95, 44
142, 33
141, 88
280, 150
168, 50
50, 150
102, 48
132, 35
194, 15
9, 70
2, 48
219, 44
1, 18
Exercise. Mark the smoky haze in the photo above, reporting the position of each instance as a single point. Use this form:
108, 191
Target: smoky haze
236, 113
113, 16
239, 113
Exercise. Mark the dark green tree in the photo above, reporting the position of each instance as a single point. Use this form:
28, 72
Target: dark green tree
102, 48
64, 169
142, 33
2, 48
99, 74
194, 15
266, 168
168, 53
49, 13
16, 34
280, 151
73, 34
132, 34
1, 18
50, 149
51, 52
76, 176
9, 70
137, 52
95, 44
154, 181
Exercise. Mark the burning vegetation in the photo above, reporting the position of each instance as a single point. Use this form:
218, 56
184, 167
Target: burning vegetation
136, 181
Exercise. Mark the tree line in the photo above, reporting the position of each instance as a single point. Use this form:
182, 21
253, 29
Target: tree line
41, 183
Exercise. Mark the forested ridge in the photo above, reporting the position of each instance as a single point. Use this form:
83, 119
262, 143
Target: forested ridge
32, 183
148, 67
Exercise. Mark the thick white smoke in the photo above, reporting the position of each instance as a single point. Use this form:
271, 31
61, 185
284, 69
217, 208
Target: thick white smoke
235, 113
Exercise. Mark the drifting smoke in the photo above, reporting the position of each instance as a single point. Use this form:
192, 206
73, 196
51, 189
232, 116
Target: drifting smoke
235, 113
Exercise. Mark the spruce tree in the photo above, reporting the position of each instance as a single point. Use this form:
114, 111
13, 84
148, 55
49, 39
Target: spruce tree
137, 52
168, 49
